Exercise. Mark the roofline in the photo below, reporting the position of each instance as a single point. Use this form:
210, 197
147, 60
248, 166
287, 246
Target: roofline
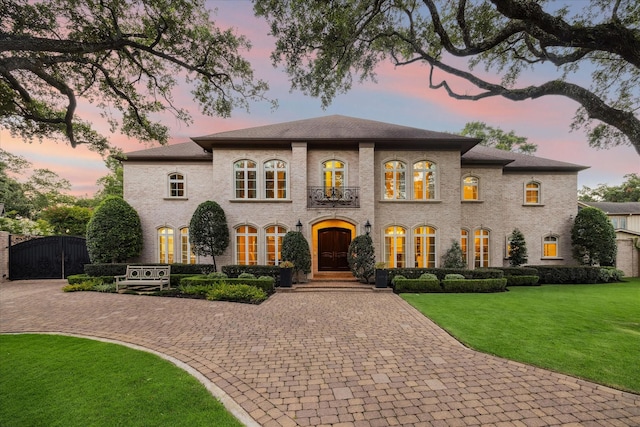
463, 145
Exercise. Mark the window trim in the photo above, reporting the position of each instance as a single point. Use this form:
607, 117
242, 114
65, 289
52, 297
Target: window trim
477, 185
433, 235
433, 169
191, 255
169, 244
275, 190
170, 181
265, 244
486, 254
464, 235
395, 236
236, 234
557, 244
245, 180
525, 200
396, 187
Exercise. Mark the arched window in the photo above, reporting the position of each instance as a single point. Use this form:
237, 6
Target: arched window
245, 175
395, 249
424, 180
470, 188
274, 236
176, 185
165, 245
481, 248
186, 253
246, 245
333, 175
532, 193
395, 181
550, 246
424, 241
275, 179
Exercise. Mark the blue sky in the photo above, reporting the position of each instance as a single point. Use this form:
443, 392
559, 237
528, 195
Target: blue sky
400, 96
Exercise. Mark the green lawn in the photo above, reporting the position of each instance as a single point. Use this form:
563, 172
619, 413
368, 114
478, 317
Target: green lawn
588, 331
49, 380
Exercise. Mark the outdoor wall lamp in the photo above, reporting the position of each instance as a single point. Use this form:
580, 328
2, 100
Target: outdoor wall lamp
299, 226
367, 227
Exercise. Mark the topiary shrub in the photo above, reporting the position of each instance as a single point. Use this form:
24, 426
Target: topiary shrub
517, 249
217, 275
361, 258
246, 276
114, 233
397, 277
295, 248
428, 276
454, 276
208, 231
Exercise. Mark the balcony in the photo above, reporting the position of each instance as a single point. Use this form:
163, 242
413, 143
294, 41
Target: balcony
333, 197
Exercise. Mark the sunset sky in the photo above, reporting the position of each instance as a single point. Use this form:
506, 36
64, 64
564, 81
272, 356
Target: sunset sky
400, 96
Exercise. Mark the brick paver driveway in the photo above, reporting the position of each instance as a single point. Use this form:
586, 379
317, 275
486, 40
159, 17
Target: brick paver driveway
325, 358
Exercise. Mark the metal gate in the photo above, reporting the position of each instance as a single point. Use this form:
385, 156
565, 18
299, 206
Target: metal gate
52, 257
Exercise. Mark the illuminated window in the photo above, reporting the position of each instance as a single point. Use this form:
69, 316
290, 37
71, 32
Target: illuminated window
176, 185
481, 248
245, 173
274, 236
186, 253
424, 239
246, 245
333, 172
165, 245
395, 181
275, 179
464, 244
532, 193
470, 188
550, 247
395, 247
424, 180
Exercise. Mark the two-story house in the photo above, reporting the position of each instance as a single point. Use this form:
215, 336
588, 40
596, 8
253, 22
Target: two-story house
415, 191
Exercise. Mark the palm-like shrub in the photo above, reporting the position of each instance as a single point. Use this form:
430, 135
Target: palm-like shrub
114, 233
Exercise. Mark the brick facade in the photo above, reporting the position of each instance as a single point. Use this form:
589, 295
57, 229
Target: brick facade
500, 208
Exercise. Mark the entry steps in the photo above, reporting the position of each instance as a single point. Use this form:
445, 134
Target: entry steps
333, 286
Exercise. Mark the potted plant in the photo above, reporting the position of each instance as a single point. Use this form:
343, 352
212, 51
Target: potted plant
382, 275
286, 274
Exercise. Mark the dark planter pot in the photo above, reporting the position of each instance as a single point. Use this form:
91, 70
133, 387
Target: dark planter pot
286, 275
382, 277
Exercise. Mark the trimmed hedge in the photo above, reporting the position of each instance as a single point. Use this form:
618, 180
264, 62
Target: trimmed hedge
75, 279
95, 270
517, 271
523, 280
475, 285
224, 291
562, 274
266, 285
440, 273
417, 285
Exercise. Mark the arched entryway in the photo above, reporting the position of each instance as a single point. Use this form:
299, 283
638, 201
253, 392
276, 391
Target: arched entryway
331, 239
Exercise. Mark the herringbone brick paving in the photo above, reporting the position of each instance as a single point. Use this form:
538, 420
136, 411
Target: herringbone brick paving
326, 358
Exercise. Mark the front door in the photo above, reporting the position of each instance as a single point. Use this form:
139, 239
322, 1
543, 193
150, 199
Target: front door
333, 245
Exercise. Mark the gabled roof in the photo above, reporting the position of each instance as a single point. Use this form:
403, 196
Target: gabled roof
616, 208
337, 130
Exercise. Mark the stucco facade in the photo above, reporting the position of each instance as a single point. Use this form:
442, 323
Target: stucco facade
410, 187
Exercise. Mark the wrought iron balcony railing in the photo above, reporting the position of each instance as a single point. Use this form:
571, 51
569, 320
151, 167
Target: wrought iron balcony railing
333, 197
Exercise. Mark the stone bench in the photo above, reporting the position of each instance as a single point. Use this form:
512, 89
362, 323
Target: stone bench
144, 277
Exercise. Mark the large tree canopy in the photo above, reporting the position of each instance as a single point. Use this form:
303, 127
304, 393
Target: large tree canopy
123, 56
497, 138
324, 45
